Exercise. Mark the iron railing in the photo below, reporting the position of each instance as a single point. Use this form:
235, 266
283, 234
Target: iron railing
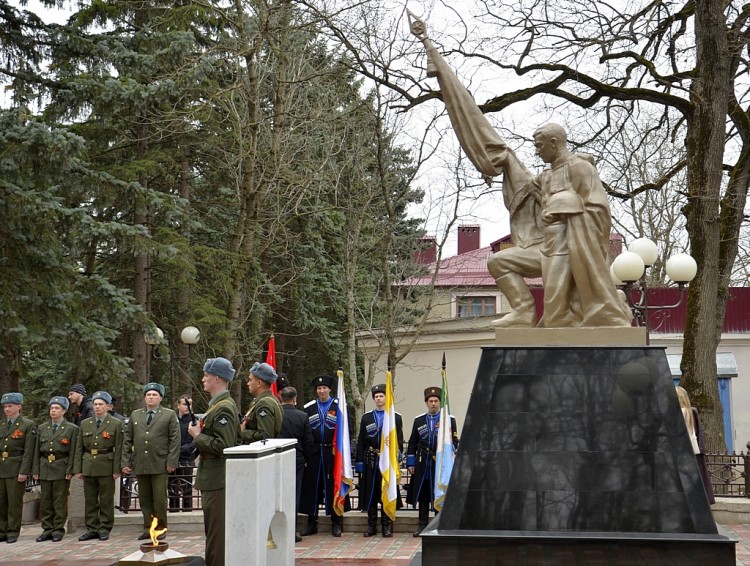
183, 496
730, 473
730, 477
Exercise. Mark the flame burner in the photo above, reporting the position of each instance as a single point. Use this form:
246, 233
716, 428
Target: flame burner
151, 547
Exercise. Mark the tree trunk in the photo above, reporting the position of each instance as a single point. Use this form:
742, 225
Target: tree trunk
184, 286
140, 265
707, 299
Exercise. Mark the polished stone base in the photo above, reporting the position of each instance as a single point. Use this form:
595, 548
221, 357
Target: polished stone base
499, 548
571, 448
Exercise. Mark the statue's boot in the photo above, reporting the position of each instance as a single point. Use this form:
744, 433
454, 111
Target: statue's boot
523, 308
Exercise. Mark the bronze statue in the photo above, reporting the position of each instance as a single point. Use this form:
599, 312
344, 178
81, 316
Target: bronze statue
560, 220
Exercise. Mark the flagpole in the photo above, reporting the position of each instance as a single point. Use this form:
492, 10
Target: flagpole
445, 450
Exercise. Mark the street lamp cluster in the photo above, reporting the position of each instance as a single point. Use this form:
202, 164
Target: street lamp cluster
189, 336
628, 271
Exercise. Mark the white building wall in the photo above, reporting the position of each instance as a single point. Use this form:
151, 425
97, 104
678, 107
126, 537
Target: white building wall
462, 343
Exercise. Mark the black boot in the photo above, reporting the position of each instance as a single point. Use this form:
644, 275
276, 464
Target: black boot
335, 525
424, 515
311, 528
386, 526
372, 520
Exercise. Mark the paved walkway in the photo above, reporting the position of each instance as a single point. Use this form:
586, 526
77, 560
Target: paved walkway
352, 549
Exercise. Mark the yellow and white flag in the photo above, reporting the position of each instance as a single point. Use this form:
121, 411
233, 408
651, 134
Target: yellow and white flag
389, 449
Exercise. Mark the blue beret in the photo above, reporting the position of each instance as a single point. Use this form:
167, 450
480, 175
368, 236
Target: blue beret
153, 386
220, 367
59, 400
103, 395
264, 371
12, 399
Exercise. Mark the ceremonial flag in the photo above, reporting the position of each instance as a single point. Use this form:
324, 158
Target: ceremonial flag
389, 449
271, 361
343, 477
445, 450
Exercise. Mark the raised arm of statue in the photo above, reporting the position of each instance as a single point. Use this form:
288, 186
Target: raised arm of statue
480, 141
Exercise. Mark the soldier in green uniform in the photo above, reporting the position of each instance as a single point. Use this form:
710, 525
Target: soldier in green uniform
17, 438
216, 431
54, 464
99, 454
263, 418
152, 447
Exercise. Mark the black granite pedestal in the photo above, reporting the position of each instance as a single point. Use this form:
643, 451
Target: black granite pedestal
575, 455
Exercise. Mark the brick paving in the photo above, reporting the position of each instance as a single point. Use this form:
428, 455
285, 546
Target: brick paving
352, 549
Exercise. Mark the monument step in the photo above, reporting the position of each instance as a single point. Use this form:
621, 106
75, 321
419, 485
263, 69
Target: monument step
406, 521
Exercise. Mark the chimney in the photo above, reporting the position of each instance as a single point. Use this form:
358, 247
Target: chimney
427, 252
468, 239
615, 245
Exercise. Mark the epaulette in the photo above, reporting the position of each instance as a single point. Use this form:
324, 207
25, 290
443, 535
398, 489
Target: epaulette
309, 403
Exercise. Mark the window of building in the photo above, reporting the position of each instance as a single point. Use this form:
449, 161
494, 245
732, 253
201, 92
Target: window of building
468, 307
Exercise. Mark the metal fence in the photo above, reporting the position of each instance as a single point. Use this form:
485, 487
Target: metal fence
183, 496
730, 473
730, 477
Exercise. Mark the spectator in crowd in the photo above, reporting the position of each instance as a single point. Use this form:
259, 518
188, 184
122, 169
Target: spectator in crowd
295, 424
17, 439
181, 483
84, 407
99, 453
697, 440
54, 465
216, 431
152, 449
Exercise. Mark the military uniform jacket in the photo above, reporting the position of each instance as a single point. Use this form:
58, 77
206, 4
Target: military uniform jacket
99, 450
263, 418
219, 428
421, 454
17, 446
368, 455
151, 448
55, 452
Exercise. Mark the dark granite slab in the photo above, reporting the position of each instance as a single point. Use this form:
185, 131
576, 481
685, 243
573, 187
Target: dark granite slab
564, 441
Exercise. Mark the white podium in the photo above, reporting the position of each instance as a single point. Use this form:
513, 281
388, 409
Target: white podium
260, 503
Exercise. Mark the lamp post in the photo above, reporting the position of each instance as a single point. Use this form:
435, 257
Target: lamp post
189, 336
628, 270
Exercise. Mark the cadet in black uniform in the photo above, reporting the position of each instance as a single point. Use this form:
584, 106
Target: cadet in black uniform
420, 455
317, 485
367, 462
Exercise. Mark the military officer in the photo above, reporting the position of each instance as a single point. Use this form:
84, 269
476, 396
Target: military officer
420, 455
367, 462
17, 439
317, 483
216, 431
99, 453
152, 447
263, 418
54, 464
